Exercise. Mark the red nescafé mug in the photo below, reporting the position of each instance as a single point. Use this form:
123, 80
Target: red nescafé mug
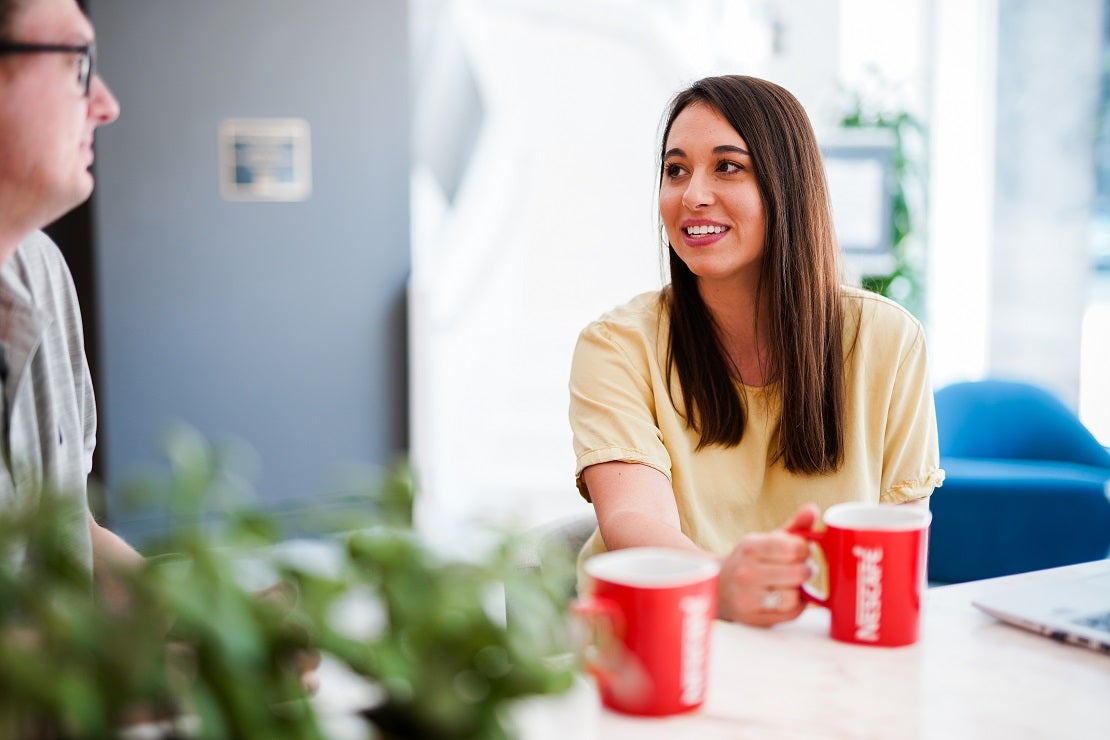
650, 611
876, 558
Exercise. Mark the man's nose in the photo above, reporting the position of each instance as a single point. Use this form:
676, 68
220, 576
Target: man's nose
103, 106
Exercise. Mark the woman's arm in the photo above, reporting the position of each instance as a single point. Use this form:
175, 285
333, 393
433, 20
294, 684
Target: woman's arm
759, 579
635, 506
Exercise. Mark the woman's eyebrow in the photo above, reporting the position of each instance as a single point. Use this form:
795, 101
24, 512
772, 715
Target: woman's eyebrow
728, 148
722, 149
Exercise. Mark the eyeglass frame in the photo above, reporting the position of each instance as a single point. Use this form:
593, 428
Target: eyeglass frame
88, 52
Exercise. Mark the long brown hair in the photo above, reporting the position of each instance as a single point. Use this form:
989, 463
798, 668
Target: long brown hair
799, 283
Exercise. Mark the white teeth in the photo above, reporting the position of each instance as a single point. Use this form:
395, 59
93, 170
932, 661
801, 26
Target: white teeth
703, 230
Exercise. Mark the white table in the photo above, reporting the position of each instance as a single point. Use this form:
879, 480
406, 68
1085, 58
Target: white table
968, 677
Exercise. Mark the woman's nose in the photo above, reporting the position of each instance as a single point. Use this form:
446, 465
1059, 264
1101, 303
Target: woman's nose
698, 193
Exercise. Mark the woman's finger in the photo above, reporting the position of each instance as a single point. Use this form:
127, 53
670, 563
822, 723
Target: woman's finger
782, 575
775, 547
767, 617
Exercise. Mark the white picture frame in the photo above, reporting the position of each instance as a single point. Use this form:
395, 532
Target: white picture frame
265, 159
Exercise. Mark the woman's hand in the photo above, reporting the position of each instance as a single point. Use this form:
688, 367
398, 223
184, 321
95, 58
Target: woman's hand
760, 578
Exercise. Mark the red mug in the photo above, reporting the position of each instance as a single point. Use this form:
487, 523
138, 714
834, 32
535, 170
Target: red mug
876, 559
650, 611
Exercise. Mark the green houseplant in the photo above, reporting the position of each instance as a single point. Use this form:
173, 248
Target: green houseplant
196, 654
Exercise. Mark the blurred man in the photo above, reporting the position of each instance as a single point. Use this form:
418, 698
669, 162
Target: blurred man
51, 102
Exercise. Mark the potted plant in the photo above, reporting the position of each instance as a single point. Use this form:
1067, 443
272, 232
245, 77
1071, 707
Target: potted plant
195, 653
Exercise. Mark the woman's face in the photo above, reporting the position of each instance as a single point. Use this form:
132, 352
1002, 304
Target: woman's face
709, 200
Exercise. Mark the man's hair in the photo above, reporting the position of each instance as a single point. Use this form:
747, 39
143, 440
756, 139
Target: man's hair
799, 284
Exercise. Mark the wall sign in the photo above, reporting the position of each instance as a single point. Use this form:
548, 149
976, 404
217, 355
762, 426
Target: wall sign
265, 159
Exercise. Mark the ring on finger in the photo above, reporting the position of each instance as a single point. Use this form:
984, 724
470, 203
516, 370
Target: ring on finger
771, 600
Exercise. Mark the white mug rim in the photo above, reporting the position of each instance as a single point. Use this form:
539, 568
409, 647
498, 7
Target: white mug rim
697, 567
896, 517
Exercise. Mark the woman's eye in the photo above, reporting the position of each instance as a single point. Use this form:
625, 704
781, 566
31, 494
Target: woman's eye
729, 168
673, 170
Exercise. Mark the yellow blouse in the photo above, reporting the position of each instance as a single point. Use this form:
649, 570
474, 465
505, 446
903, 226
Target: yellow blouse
620, 410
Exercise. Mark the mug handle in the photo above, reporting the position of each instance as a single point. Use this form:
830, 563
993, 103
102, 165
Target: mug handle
605, 656
604, 625
815, 537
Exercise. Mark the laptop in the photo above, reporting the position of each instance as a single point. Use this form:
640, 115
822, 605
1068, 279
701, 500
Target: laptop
1071, 608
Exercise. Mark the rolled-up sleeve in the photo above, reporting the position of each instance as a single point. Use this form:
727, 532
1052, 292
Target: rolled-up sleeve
911, 457
612, 403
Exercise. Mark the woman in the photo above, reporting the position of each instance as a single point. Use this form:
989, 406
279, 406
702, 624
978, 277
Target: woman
754, 390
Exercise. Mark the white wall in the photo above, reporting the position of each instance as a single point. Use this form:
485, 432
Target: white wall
1012, 124
553, 220
961, 193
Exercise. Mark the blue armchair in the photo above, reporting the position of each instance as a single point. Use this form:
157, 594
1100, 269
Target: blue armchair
1026, 484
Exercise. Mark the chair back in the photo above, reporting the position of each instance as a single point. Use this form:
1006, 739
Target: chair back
1012, 420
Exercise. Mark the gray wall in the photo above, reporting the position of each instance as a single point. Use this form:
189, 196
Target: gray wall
1044, 188
278, 323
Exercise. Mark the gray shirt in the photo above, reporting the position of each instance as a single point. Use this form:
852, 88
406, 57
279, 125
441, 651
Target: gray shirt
49, 414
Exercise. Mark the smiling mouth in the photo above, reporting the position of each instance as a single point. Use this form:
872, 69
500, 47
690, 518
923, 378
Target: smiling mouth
705, 230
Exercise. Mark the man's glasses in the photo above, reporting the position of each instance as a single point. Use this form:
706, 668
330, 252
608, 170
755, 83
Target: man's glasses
88, 57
